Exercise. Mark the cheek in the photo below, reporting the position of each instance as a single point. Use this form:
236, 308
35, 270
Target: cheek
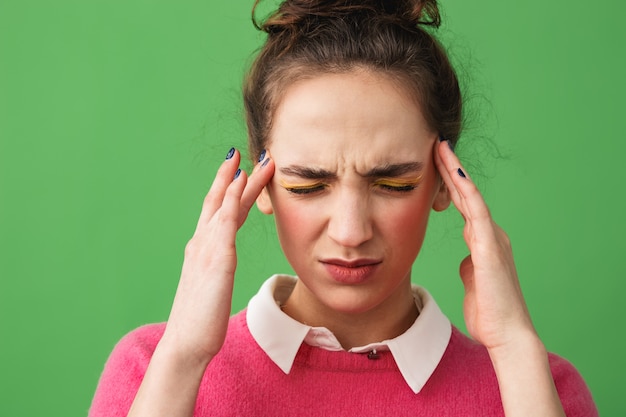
406, 224
288, 222
293, 218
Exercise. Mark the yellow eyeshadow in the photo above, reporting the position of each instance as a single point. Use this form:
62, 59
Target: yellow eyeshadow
300, 186
398, 182
390, 182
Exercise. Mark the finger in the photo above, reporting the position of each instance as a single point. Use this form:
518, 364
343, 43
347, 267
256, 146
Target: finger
260, 177
466, 196
223, 178
446, 171
228, 213
466, 271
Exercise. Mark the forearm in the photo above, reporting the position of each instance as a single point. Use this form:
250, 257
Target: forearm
170, 385
525, 380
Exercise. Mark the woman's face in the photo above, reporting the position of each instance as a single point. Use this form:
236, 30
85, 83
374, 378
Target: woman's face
353, 187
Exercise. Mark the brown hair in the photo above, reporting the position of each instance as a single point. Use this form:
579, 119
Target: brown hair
309, 37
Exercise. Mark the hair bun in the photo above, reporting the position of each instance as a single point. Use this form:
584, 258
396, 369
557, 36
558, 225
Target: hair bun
403, 12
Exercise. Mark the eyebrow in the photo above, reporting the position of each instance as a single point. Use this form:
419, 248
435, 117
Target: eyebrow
387, 170
394, 170
308, 173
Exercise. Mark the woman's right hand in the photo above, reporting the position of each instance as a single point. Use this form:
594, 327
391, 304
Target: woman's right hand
199, 317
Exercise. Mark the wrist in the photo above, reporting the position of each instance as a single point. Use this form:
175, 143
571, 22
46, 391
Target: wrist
171, 382
523, 371
525, 345
180, 356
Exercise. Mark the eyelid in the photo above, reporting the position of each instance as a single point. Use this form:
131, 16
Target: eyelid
399, 182
305, 186
388, 182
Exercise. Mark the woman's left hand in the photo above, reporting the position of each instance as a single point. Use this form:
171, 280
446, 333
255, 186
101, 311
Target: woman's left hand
494, 308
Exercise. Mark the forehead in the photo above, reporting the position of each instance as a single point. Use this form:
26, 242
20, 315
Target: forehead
360, 117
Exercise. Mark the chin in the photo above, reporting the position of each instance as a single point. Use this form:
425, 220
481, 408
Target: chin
352, 304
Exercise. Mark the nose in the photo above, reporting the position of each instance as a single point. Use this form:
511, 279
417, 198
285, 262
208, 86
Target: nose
350, 223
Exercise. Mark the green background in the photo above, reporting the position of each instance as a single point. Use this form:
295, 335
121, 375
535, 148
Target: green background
115, 114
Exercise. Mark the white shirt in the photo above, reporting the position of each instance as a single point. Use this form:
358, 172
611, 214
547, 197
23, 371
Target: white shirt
417, 351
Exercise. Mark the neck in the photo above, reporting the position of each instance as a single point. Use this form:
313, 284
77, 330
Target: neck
387, 320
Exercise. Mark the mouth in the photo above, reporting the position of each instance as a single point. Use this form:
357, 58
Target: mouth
355, 263
353, 271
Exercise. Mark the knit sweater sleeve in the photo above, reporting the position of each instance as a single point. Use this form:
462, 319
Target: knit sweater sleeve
124, 371
573, 391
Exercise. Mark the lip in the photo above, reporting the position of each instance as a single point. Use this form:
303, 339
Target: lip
354, 271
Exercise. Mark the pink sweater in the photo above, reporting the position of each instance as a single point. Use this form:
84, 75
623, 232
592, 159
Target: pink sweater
243, 381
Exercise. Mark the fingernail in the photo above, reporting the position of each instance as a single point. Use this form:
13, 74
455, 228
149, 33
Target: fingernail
230, 153
443, 139
262, 156
461, 173
265, 162
237, 174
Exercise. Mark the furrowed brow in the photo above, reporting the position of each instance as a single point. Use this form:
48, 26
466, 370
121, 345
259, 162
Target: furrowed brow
308, 173
395, 170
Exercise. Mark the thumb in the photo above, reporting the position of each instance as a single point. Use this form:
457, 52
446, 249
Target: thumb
466, 270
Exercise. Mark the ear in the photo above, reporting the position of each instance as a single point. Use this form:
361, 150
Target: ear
442, 198
264, 202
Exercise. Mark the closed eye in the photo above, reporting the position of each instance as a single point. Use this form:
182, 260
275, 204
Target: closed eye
401, 188
398, 185
303, 188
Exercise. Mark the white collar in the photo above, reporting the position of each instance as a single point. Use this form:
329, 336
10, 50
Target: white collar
417, 351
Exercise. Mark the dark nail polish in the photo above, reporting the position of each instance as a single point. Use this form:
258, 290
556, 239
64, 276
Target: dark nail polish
262, 156
265, 162
443, 139
237, 174
461, 173
230, 153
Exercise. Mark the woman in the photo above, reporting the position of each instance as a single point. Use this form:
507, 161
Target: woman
353, 112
